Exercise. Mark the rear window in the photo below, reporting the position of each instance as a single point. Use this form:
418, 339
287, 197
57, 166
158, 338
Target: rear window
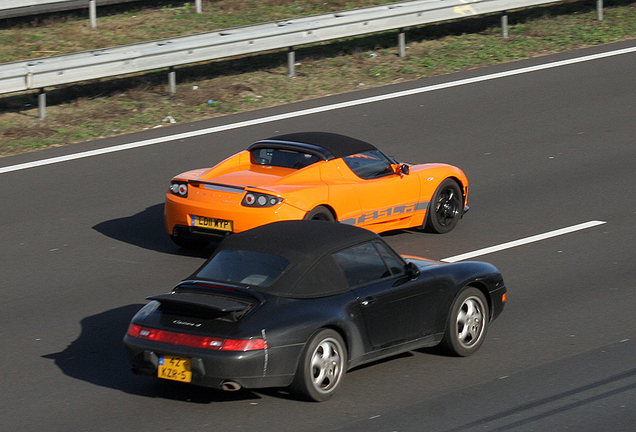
282, 158
244, 267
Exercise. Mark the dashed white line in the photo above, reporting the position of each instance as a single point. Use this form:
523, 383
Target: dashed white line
515, 243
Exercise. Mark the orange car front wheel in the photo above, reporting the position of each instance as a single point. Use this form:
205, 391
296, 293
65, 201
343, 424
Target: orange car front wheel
445, 209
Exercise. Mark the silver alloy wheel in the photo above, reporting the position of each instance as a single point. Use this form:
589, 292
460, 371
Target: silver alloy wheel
326, 365
470, 321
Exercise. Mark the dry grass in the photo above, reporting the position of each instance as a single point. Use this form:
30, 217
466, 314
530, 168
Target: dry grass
81, 112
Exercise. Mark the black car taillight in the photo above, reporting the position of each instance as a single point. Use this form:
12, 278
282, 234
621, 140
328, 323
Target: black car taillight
195, 341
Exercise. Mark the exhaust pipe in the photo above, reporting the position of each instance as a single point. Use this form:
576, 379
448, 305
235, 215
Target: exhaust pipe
230, 386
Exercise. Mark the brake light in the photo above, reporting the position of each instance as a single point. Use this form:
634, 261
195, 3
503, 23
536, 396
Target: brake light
179, 189
255, 199
243, 345
195, 341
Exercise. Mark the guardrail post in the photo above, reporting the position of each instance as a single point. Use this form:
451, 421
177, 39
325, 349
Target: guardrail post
504, 25
92, 13
172, 81
41, 104
198, 6
599, 10
291, 62
401, 43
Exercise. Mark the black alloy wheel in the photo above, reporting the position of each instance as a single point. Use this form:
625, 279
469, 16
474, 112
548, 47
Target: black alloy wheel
445, 209
320, 213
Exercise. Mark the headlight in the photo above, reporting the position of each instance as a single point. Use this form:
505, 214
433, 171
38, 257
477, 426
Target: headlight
254, 199
179, 189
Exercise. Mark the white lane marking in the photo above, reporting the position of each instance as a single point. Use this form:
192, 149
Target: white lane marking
523, 241
313, 110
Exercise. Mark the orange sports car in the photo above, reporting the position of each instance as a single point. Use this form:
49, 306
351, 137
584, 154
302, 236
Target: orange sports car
313, 175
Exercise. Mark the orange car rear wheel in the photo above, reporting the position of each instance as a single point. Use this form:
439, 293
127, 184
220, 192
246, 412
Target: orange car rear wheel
321, 213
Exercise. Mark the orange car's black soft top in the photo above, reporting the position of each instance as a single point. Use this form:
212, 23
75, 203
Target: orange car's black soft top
323, 144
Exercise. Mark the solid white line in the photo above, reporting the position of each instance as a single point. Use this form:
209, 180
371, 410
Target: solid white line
523, 241
313, 110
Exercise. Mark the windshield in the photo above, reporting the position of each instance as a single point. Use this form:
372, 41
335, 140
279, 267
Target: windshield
244, 267
369, 165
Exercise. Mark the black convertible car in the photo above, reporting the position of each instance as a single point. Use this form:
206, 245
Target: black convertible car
298, 303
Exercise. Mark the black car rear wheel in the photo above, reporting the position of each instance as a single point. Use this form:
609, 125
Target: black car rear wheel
321, 367
445, 209
467, 323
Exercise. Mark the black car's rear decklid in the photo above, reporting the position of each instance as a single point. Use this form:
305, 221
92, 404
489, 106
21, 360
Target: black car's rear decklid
193, 300
200, 301
212, 287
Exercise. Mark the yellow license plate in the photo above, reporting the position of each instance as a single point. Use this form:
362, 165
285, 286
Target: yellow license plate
211, 223
175, 368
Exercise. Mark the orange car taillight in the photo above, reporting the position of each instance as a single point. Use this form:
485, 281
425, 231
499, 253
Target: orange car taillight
254, 199
179, 189
195, 341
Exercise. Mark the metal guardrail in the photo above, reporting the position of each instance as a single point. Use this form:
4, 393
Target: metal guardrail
167, 53
18, 8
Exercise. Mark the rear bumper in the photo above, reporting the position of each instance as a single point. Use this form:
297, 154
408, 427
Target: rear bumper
178, 214
498, 303
198, 233
249, 369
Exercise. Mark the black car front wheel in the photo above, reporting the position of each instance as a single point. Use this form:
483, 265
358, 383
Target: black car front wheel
445, 209
467, 323
321, 366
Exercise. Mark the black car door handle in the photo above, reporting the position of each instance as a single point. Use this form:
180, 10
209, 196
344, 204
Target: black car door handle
367, 301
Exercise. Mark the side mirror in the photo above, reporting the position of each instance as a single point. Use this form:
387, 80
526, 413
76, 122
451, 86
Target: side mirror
412, 271
402, 170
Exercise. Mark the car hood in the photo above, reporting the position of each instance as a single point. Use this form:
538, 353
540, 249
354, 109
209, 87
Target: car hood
421, 263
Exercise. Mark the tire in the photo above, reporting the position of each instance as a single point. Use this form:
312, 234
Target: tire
189, 242
320, 213
321, 367
445, 209
467, 323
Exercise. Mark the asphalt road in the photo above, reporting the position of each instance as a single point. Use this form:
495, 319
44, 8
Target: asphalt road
545, 148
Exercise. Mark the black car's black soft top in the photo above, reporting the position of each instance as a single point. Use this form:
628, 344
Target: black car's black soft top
323, 144
308, 246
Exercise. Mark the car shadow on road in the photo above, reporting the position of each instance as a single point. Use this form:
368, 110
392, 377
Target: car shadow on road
145, 229
98, 357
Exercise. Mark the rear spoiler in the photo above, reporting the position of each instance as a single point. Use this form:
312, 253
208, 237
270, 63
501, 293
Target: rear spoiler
204, 286
202, 302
